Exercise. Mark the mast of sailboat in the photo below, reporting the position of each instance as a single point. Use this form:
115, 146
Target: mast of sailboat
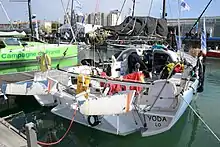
30, 18
72, 22
198, 19
133, 7
179, 33
164, 9
71, 14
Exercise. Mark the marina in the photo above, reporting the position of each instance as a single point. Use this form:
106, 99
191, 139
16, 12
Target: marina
132, 81
189, 131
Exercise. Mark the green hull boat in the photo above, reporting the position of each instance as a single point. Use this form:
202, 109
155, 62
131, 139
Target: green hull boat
22, 56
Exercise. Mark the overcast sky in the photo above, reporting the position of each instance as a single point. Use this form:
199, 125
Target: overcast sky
52, 9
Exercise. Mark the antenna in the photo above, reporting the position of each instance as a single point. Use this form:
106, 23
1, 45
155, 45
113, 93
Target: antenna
29, 13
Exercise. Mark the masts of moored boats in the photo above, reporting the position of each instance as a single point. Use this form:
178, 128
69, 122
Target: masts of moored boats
30, 18
164, 9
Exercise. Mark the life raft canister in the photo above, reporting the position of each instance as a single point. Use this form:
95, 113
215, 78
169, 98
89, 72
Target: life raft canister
45, 62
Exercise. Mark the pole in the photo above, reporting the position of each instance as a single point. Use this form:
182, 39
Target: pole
71, 19
133, 8
164, 9
179, 32
31, 135
30, 18
199, 17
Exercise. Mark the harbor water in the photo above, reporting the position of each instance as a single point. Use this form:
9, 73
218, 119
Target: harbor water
188, 132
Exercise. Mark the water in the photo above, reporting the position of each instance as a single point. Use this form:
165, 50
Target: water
188, 132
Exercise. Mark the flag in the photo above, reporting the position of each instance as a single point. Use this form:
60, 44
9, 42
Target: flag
203, 39
184, 6
178, 42
83, 19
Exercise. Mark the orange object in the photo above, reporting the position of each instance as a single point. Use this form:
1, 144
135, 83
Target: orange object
128, 101
137, 77
133, 77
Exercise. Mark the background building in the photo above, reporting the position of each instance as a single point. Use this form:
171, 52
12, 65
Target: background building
212, 25
104, 21
98, 18
113, 18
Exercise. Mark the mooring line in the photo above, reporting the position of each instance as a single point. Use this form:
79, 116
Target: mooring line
194, 111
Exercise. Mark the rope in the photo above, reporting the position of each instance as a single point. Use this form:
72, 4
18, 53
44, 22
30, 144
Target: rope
207, 126
68, 19
120, 11
151, 3
54, 143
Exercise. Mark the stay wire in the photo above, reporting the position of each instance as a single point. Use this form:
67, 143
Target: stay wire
120, 11
151, 4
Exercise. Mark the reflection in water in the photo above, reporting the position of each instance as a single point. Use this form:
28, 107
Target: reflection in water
81, 136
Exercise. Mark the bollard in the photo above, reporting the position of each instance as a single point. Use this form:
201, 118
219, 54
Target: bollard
31, 135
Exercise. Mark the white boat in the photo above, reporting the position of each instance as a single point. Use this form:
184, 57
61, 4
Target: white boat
156, 109
40, 87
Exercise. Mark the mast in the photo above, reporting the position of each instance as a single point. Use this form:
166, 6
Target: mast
179, 32
71, 15
133, 8
30, 18
164, 9
73, 20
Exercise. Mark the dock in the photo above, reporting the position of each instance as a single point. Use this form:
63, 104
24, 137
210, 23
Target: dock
10, 136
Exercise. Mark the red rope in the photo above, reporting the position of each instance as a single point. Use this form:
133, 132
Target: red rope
54, 143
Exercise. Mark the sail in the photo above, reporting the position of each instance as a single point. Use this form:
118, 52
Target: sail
140, 26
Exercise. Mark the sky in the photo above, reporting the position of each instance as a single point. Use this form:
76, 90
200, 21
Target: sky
53, 10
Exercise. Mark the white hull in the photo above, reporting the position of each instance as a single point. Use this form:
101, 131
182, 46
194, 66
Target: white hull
124, 124
46, 100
